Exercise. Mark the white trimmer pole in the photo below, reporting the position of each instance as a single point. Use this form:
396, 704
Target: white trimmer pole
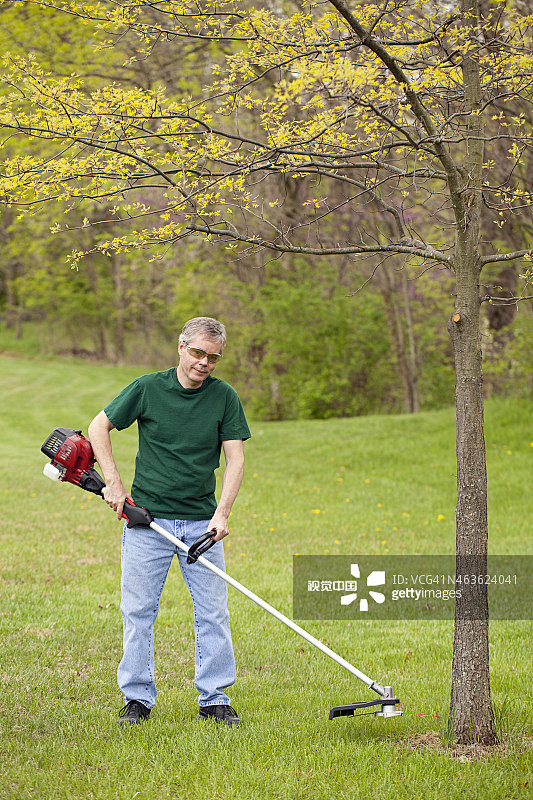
274, 612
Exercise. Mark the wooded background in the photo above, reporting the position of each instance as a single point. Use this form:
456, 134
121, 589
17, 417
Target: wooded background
309, 337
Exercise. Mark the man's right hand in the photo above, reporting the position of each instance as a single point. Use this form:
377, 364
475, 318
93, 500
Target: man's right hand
115, 496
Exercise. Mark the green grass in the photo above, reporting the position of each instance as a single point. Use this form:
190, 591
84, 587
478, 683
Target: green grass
367, 485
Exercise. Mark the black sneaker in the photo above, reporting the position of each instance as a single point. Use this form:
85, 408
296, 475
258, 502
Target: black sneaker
225, 714
133, 713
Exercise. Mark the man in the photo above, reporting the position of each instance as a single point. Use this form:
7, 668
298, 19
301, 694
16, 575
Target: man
184, 417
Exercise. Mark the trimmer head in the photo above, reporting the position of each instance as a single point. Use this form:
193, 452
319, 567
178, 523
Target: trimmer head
387, 702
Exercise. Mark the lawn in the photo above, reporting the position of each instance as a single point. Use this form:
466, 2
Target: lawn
373, 485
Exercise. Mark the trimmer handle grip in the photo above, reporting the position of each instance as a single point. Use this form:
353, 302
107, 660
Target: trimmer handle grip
136, 515
200, 546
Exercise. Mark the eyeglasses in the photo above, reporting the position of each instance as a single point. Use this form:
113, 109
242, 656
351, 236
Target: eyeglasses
200, 354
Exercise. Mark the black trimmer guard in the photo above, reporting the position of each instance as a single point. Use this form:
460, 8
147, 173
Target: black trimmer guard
388, 708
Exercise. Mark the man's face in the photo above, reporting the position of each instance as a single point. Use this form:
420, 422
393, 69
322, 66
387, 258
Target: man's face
193, 369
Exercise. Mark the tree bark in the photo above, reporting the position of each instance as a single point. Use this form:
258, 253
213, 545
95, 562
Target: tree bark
406, 361
412, 368
119, 305
471, 712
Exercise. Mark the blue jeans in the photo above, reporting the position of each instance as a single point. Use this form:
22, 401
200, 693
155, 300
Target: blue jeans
146, 560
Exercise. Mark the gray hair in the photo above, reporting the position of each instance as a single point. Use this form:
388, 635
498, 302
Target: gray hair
211, 328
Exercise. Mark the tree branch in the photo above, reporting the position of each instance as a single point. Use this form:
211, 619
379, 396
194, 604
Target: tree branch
495, 257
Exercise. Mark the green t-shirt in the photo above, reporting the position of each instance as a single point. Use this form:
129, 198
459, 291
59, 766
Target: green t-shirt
180, 436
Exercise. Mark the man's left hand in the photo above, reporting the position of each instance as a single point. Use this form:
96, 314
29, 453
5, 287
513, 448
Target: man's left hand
219, 523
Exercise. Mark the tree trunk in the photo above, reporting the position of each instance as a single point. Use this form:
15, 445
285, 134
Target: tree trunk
119, 305
13, 312
471, 713
406, 361
412, 368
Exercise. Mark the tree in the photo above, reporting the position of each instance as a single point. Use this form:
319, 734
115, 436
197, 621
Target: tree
91, 312
338, 129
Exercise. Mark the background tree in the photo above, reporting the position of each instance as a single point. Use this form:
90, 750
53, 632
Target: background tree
338, 130
125, 297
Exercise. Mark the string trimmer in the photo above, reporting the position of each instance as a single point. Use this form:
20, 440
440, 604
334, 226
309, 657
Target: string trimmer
72, 460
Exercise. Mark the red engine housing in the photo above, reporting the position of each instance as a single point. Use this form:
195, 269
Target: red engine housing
76, 456
71, 453
72, 456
